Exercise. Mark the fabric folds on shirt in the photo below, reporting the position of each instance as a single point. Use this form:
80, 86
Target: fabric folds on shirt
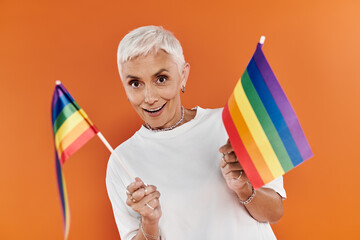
184, 165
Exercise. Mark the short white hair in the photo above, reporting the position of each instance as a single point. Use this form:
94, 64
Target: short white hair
146, 39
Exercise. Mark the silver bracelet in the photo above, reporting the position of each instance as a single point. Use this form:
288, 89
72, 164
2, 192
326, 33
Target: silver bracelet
148, 235
250, 198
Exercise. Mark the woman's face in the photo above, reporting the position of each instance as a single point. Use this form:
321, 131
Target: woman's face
152, 84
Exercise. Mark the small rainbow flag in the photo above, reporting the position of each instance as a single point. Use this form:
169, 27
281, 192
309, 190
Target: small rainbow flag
72, 129
262, 126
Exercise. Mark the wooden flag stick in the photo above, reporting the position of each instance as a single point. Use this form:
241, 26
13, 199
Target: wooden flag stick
107, 144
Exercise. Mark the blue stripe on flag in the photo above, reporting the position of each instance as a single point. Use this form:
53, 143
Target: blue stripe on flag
61, 102
274, 113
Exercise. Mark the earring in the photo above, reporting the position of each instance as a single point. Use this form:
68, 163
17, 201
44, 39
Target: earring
183, 89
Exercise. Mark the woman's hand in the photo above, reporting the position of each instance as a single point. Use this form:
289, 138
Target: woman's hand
233, 173
144, 200
266, 205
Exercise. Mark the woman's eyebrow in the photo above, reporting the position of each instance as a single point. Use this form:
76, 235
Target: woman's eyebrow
157, 73
131, 76
160, 71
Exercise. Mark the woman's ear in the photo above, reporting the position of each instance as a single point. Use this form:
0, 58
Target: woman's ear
185, 74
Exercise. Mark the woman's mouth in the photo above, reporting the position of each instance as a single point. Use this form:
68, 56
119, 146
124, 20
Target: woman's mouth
155, 112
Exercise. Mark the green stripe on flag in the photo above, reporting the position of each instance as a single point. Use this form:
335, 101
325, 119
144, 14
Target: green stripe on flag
67, 111
266, 123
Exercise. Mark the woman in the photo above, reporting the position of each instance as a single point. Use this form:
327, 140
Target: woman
184, 153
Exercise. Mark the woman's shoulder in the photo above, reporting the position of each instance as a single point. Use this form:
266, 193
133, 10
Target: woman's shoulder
127, 143
123, 149
211, 118
121, 154
210, 112
213, 110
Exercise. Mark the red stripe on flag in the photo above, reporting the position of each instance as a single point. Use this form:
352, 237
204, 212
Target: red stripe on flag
240, 150
77, 144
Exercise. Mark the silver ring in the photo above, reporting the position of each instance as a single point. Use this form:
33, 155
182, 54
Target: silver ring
241, 173
223, 158
132, 198
149, 206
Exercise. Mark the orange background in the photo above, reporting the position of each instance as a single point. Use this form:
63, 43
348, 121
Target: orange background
313, 47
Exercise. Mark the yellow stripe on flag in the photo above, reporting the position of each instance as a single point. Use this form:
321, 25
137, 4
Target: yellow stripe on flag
85, 116
257, 131
248, 141
72, 136
68, 125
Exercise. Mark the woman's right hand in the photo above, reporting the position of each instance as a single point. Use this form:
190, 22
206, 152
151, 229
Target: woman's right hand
144, 199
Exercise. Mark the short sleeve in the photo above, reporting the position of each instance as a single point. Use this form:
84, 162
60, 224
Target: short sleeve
278, 186
126, 219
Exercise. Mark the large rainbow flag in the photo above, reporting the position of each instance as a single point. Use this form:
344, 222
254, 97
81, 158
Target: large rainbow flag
262, 126
72, 129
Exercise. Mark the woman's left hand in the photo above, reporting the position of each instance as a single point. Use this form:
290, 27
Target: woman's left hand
231, 169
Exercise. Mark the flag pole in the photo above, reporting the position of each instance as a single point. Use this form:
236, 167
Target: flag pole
107, 144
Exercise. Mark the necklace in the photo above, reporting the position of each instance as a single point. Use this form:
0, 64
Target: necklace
168, 128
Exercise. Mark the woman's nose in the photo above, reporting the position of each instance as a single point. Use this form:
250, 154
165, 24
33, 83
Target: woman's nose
150, 95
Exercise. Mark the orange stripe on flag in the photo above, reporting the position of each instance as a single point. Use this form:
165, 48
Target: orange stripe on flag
239, 148
78, 143
66, 141
248, 141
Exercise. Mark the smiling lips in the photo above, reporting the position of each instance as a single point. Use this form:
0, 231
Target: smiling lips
155, 112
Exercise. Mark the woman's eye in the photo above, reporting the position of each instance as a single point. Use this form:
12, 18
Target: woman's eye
161, 79
134, 84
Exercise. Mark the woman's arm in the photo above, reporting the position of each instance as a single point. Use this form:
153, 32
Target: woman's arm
266, 205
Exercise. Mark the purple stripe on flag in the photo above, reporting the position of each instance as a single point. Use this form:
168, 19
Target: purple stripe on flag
66, 92
283, 103
61, 98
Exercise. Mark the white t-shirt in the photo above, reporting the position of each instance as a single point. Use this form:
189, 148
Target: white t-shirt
184, 165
